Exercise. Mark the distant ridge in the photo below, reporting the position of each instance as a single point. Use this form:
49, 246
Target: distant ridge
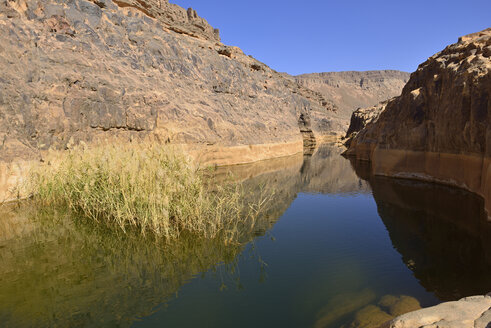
350, 90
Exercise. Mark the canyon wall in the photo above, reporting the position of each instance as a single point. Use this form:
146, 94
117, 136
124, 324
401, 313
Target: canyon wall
95, 71
351, 90
439, 129
362, 117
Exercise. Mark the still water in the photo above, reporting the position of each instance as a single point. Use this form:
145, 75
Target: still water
336, 248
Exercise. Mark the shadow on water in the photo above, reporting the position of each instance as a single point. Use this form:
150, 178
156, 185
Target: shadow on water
441, 232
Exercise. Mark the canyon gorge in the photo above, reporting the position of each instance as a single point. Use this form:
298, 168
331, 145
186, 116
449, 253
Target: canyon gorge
83, 73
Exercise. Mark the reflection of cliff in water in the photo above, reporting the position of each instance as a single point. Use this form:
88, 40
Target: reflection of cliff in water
57, 271
326, 172
441, 232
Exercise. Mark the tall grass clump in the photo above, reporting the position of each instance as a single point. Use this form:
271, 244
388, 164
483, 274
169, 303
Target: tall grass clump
154, 188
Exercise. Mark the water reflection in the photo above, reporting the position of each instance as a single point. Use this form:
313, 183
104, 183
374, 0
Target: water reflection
324, 172
441, 232
58, 271
332, 263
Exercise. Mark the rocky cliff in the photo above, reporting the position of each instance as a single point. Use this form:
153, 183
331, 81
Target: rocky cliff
439, 129
362, 117
352, 90
91, 71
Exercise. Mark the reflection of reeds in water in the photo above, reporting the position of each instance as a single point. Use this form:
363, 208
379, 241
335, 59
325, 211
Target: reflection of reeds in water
66, 271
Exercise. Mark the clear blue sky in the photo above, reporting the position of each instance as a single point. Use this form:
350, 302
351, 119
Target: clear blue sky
326, 35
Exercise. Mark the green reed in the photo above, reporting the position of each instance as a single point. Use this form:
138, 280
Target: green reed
154, 188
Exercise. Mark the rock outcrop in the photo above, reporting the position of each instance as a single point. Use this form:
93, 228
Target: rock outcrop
114, 71
352, 90
439, 129
469, 312
361, 117
172, 16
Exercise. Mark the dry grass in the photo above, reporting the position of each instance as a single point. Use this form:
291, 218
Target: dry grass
153, 188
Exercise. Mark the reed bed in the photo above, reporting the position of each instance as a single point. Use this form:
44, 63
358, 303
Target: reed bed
154, 188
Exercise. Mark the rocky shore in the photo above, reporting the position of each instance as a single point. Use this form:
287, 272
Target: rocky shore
469, 312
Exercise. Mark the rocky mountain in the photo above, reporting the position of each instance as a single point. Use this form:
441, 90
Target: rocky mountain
352, 90
115, 71
440, 127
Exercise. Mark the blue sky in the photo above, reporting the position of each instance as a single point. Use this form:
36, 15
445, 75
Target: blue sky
318, 36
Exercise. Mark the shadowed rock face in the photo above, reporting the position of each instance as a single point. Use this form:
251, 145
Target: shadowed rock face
439, 128
352, 90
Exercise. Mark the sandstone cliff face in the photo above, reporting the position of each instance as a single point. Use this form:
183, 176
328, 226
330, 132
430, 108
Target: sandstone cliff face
440, 127
172, 16
78, 70
89, 71
352, 90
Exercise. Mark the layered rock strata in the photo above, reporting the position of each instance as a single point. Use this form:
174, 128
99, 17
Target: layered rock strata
173, 17
361, 118
351, 90
116, 71
439, 129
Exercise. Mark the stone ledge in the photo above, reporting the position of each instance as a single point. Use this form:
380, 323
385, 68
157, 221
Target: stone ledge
469, 312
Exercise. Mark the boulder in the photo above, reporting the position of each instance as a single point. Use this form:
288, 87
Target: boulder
469, 312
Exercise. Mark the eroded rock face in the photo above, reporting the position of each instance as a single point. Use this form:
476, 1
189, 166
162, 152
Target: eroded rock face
440, 127
352, 90
90, 71
173, 17
80, 70
361, 117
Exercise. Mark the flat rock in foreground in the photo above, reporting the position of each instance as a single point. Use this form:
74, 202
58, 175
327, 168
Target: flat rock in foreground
469, 312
